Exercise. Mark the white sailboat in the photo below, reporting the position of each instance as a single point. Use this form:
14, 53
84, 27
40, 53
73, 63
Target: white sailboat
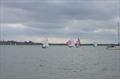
45, 43
95, 44
112, 46
77, 44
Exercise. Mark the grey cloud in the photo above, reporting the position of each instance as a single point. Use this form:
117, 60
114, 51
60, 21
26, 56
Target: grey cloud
51, 17
46, 10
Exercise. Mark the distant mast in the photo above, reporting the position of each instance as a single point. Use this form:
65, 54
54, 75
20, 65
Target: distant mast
118, 33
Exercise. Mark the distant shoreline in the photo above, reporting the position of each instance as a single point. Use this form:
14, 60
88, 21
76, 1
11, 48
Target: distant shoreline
59, 44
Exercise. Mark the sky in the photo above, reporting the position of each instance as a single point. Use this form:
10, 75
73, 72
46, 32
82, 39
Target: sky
60, 20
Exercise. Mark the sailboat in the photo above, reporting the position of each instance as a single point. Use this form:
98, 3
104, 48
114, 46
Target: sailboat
77, 44
45, 43
73, 43
95, 44
112, 46
70, 43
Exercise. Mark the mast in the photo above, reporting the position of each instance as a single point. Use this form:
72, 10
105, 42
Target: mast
118, 33
118, 23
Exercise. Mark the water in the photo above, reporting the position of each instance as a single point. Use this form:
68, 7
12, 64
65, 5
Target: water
59, 62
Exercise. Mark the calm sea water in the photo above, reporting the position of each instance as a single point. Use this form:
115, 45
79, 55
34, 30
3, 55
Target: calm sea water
59, 62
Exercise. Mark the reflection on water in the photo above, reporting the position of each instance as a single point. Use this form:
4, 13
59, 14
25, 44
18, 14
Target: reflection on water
59, 62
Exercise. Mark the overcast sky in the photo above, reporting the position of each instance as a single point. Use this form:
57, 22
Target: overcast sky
90, 20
